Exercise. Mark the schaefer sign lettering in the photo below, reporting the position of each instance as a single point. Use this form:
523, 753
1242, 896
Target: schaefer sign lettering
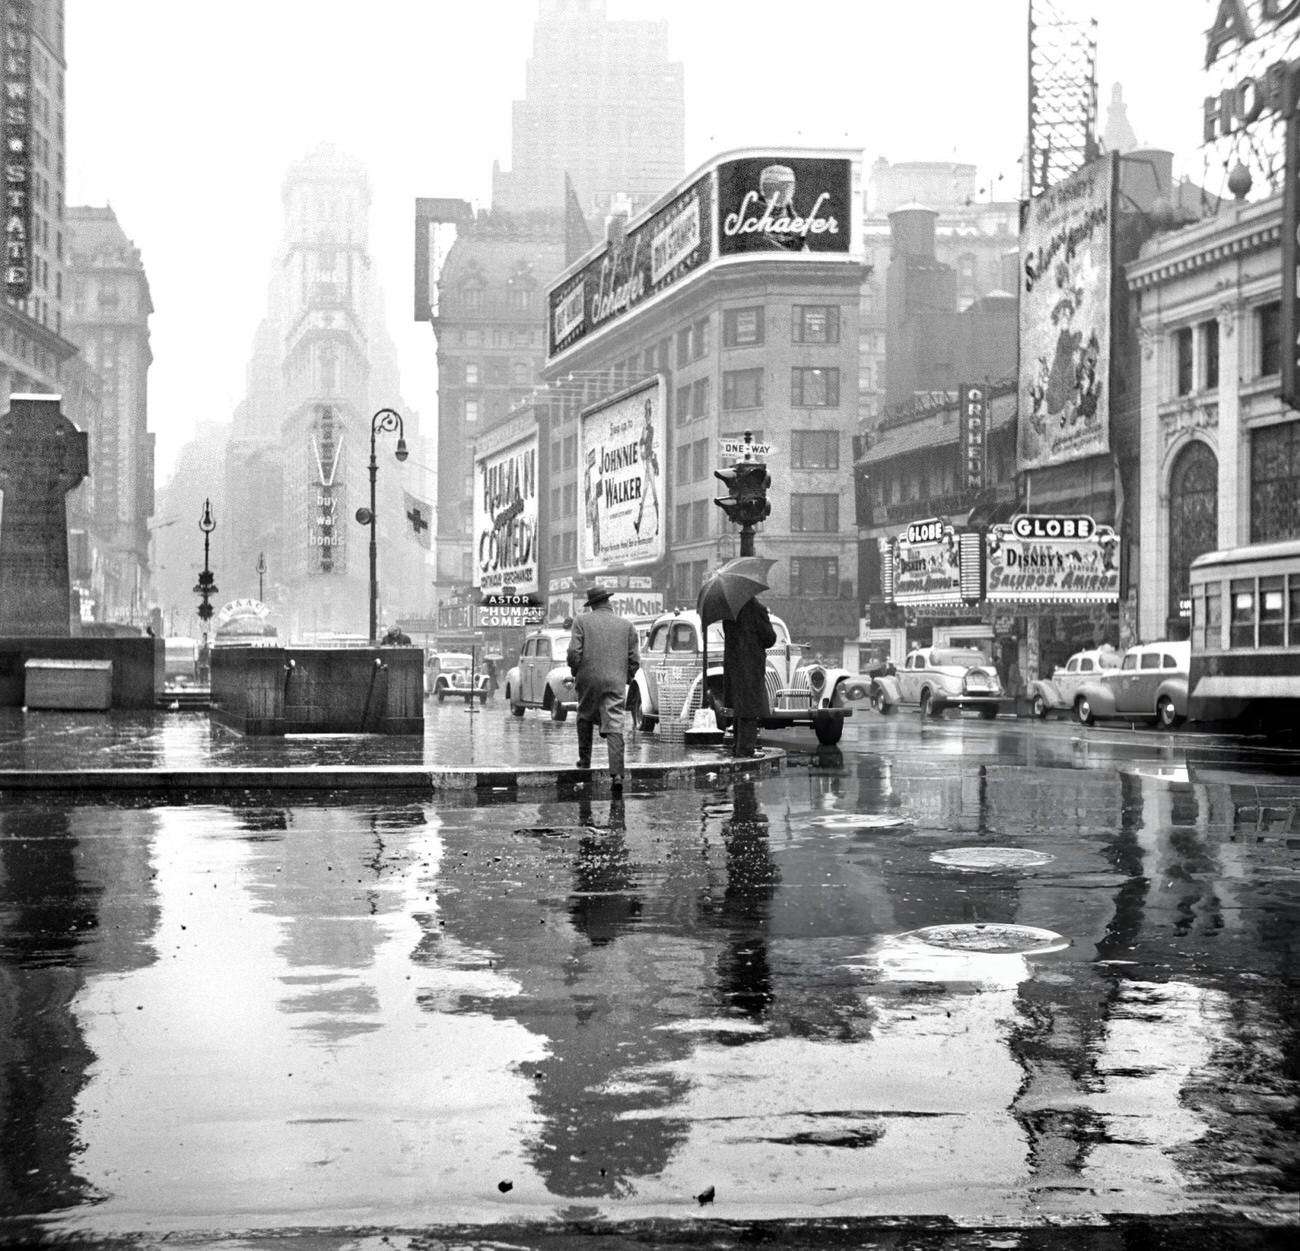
505, 519
649, 258
1066, 246
784, 204
1051, 559
620, 452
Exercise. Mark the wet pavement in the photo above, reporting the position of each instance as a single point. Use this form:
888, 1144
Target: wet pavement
955, 985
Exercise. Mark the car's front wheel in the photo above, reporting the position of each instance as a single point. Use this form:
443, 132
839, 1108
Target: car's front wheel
927, 705
880, 703
515, 709
639, 719
1166, 714
557, 710
1039, 706
1083, 711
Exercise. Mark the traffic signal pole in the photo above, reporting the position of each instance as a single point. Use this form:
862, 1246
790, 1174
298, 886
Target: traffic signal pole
746, 502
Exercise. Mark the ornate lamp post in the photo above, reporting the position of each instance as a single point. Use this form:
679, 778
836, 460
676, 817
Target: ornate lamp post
206, 587
384, 419
261, 573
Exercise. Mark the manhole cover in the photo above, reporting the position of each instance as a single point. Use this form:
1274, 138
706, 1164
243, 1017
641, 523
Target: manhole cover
990, 858
858, 821
991, 938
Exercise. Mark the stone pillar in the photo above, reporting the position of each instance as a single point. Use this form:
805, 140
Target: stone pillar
43, 456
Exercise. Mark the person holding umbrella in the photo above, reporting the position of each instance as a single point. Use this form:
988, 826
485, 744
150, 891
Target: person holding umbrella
731, 596
603, 657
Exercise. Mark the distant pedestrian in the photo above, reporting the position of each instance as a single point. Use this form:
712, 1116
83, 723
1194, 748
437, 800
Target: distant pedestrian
603, 658
396, 637
744, 672
490, 672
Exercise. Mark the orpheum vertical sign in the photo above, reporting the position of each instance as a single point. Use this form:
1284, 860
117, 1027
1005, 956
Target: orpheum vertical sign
1289, 336
16, 140
973, 415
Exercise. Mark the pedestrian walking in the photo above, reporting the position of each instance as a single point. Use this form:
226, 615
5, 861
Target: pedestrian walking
744, 672
603, 658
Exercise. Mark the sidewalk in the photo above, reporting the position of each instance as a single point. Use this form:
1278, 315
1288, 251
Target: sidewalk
486, 749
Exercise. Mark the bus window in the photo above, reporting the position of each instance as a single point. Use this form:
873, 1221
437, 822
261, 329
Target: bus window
1272, 612
1242, 630
1294, 614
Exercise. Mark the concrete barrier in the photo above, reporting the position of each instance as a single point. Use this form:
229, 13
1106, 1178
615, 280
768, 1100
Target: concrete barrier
138, 665
318, 690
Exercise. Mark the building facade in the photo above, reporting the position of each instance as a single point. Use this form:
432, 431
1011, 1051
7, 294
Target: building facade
1220, 449
602, 104
107, 317
733, 298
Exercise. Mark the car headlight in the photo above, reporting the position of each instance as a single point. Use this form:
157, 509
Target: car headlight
816, 677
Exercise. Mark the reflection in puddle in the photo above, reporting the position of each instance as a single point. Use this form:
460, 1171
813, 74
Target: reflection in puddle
344, 1015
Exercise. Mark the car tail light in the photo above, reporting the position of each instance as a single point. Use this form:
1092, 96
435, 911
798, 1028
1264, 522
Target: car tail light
981, 681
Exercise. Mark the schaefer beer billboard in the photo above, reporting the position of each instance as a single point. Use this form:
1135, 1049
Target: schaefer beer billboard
621, 459
1067, 251
505, 518
784, 204
650, 257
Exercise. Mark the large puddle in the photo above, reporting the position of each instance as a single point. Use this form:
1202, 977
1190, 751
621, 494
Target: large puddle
401, 1015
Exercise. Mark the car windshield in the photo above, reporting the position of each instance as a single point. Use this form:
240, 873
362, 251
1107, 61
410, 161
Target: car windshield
958, 657
446, 662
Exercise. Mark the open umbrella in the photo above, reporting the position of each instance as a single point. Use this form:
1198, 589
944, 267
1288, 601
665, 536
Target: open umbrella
726, 591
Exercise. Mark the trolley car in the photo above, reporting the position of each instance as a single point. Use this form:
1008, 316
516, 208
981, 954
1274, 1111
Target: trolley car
1245, 653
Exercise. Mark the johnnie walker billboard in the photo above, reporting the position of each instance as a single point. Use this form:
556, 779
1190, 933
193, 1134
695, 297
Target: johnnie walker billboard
621, 458
1067, 254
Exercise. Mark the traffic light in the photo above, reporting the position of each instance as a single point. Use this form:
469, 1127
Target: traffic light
746, 503
207, 588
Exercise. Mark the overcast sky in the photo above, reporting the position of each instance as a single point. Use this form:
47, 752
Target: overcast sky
185, 117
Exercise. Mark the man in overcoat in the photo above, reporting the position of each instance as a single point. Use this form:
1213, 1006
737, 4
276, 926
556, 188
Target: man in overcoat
744, 672
603, 657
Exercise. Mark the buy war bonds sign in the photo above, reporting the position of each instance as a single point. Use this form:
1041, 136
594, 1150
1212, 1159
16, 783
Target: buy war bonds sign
621, 457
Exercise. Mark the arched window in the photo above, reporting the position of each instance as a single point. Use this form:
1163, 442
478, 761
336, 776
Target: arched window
1193, 519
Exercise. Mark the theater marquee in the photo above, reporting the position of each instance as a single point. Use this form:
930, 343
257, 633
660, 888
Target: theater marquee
1052, 560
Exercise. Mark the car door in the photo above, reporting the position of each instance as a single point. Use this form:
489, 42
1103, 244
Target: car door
908, 686
1137, 692
652, 661
535, 686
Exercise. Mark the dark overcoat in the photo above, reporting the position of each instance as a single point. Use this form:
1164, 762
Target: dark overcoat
744, 660
603, 657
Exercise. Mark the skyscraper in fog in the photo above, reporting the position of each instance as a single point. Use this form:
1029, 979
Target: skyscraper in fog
603, 104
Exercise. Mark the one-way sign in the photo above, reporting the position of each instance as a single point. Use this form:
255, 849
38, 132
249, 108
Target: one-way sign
739, 448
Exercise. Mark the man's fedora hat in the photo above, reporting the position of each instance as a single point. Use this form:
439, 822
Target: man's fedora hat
597, 595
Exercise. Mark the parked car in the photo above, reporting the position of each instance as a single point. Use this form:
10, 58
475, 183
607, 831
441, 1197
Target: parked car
937, 678
1058, 691
672, 661
1149, 682
542, 679
451, 674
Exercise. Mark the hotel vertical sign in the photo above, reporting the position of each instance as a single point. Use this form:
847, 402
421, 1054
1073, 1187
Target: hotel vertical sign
1289, 335
16, 140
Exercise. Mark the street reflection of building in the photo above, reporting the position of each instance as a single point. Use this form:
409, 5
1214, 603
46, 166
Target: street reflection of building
738, 290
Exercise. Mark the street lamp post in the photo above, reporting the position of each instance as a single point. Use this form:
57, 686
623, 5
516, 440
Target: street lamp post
384, 419
206, 587
261, 573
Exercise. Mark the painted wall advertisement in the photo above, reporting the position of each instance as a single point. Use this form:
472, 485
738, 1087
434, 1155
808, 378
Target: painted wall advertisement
927, 564
621, 458
1066, 249
785, 204
505, 518
1052, 559
650, 257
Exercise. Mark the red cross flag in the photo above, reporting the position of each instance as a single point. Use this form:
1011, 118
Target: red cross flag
419, 518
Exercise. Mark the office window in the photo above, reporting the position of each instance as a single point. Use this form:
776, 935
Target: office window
570, 451
1183, 360
555, 455
1210, 354
816, 323
684, 347
700, 398
742, 388
816, 513
570, 500
682, 522
815, 388
682, 408
571, 546
699, 459
1275, 482
555, 503
814, 449
471, 410
1268, 327
471, 374
683, 463
700, 339
814, 576
742, 327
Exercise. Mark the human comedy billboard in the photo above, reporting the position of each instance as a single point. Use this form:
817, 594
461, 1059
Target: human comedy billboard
1067, 256
621, 459
505, 518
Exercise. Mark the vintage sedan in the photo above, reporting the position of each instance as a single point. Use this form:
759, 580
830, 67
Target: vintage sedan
934, 679
1150, 683
672, 661
542, 679
451, 675
1058, 691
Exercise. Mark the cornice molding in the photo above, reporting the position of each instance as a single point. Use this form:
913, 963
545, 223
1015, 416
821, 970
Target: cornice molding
1213, 251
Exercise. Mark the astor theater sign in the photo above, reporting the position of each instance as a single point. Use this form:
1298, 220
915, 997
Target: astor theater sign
1273, 90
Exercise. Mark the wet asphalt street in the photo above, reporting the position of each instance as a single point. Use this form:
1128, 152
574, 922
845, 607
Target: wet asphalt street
1009, 985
